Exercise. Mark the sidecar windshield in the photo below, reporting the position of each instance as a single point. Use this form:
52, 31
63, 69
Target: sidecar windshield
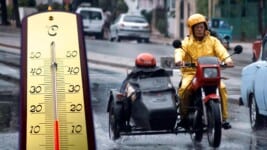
155, 84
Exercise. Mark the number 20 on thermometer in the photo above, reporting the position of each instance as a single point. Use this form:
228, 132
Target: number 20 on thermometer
55, 98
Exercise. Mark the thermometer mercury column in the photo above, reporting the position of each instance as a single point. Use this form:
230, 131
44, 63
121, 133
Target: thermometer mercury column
54, 82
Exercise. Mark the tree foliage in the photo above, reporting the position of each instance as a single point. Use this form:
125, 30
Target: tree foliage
203, 7
55, 6
161, 20
29, 3
116, 7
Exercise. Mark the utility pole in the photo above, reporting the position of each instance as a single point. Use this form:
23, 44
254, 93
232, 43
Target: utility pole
16, 13
177, 19
210, 9
260, 17
153, 21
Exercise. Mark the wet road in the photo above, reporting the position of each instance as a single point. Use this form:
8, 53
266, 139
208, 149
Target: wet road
240, 137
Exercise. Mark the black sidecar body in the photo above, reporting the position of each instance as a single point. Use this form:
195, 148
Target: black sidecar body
145, 104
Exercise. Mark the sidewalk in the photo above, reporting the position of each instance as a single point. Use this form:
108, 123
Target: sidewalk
7, 36
9, 29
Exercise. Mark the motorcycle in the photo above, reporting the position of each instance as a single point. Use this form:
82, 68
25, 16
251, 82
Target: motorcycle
151, 104
204, 110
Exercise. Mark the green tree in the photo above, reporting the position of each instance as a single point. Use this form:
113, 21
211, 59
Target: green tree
202, 7
161, 20
54, 5
30, 3
147, 15
116, 7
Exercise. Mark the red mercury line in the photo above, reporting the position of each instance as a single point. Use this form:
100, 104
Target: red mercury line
56, 122
56, 134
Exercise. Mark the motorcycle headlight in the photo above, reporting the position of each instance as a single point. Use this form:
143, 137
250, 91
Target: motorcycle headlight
210, 73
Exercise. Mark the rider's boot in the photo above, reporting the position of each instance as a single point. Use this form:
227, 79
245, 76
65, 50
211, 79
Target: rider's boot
128, 126
226, 125
183, 123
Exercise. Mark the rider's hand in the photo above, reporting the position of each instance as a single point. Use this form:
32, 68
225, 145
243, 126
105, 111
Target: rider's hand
179, 63
230, 64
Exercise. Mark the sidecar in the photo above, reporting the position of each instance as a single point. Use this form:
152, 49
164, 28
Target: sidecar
145, 104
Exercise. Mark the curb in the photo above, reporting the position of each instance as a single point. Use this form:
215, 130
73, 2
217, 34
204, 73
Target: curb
10, 46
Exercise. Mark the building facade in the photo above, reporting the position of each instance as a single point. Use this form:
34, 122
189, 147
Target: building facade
177, 13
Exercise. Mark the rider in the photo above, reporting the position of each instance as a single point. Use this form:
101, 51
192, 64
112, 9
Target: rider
199, 43
145, 66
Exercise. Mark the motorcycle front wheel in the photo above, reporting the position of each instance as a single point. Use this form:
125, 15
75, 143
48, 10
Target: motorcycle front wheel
197, 127
214, 126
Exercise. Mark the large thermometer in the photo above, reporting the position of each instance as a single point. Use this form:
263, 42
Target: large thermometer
56, 110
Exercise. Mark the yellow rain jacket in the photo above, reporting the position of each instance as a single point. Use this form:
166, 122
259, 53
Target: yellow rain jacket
209, 46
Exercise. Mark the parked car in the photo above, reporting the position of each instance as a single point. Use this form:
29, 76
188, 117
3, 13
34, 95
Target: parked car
93, 20
254, 87
222, 29
256, 49
130, 26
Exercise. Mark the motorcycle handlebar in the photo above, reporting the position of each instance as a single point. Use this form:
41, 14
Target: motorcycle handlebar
223, 65
188, 64
193, 65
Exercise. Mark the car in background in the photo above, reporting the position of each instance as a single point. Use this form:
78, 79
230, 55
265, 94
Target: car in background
254, 88
93, 19
222, 29
130, 26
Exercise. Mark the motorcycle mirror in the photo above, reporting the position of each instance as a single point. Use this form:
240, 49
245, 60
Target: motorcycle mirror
238, 49
177, 44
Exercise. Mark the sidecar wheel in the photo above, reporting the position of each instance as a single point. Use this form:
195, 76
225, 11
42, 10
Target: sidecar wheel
114, 130
214, 127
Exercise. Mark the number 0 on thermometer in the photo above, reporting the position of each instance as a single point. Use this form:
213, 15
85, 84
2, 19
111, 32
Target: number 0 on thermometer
55, 101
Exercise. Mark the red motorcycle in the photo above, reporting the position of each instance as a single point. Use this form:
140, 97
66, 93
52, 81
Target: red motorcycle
204, 109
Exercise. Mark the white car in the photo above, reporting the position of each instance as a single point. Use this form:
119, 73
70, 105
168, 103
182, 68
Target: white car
254, 88
93, 21
129, 26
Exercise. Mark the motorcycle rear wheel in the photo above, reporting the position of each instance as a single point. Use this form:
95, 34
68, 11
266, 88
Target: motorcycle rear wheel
214, 126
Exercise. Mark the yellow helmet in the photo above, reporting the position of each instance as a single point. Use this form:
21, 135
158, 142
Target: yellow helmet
196, 19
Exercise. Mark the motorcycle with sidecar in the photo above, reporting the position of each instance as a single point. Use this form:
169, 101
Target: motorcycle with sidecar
151, 105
